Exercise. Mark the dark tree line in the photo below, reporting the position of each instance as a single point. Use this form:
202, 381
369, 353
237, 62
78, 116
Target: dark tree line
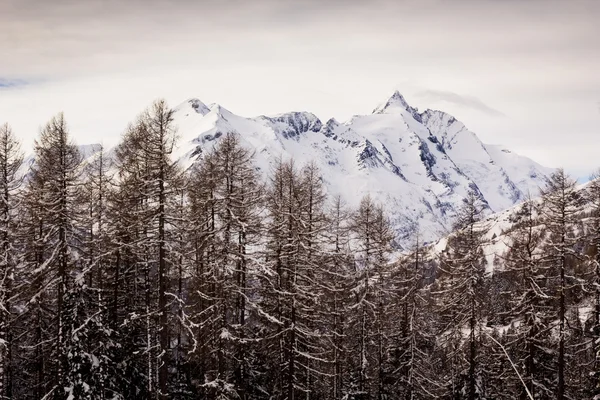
123, 276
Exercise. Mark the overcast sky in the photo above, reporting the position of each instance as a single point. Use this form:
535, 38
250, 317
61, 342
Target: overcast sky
525, 74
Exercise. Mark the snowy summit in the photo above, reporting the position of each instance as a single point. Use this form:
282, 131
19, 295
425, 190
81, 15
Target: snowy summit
421, 165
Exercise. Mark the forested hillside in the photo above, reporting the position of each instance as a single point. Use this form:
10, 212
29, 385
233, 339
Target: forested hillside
124, 276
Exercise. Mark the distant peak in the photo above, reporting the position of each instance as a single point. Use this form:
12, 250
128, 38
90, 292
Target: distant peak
296, 115
332, 122
87, 150
398, 98
295, 123
441, 118
219, 109
394, 103
197, 105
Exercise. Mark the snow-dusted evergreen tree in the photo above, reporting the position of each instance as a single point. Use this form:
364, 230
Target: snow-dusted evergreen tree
11, 160
464, 300
89, 369
558, 214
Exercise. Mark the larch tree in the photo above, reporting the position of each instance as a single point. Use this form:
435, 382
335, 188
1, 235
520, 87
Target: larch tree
560, 204
54, 191
202, 218
528, 303
593, 194
11, 160
464, 297
126, 274
337, 280
415, 354
373, 291
291, 289
225, 197
149, 178
91, 297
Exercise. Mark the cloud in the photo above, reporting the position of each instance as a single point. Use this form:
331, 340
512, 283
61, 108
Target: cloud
6, 83
102, 61
461, 100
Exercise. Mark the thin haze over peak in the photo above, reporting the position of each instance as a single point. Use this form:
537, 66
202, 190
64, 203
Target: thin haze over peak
523, 74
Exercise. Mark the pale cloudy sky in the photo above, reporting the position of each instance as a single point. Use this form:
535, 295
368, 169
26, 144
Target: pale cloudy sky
525, 74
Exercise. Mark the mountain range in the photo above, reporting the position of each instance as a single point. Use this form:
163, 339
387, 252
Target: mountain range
420, 165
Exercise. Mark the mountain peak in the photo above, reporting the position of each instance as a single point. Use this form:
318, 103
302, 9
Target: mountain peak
195, 104
422, 165
394, 103
292, 124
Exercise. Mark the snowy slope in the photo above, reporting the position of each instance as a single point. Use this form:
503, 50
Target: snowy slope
419, 165
86, 151
497, 228
502, 177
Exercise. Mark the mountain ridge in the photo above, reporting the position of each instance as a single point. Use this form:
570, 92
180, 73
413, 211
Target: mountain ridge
420, 165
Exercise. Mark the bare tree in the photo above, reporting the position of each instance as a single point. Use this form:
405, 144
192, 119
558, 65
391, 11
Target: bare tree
464, 295
558, 214
11, 160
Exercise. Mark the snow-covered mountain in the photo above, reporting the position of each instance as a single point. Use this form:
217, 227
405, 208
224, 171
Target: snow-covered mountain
419, 165
497, 228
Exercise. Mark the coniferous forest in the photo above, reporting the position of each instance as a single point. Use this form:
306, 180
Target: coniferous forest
127, 277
